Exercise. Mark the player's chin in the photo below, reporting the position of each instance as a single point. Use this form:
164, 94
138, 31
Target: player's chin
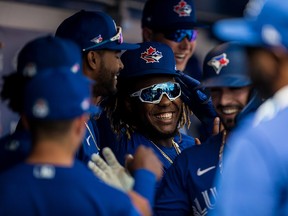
229, 123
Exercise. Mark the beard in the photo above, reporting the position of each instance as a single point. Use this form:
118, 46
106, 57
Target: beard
105, 81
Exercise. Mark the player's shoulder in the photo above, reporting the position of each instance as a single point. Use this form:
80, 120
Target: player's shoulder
198, 152
184, 140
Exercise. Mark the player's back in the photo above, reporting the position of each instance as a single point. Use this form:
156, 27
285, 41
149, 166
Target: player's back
45, 189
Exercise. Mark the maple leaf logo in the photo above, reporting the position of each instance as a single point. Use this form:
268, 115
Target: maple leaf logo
183, 9
97, 39
151, 55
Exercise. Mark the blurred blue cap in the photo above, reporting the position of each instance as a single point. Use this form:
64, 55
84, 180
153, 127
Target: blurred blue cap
56, 94
151, 58
163, 15
226, 65
48, 52
268, 26
93, 30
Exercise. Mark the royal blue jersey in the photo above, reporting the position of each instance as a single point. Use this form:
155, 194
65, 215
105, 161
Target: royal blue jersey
90, 143
14, 148
128, 146
44, 189
255, 172
188, 187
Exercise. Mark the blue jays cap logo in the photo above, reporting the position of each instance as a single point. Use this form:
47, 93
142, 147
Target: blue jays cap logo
40, 108
218, 62
183, 9
30, 69
151, 55
97, 39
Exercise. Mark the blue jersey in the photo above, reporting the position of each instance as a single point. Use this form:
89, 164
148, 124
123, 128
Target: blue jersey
90, 143
128, 146
255, 174
43, 189
188, 187
14, 148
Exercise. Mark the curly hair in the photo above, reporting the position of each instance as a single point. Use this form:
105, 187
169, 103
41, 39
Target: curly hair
13, 90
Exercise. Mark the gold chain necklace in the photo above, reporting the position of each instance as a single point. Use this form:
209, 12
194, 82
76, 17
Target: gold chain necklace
176, 147
91, 134
221, 151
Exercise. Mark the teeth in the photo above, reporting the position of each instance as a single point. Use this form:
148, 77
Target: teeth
164, 116
179, 56
229, 111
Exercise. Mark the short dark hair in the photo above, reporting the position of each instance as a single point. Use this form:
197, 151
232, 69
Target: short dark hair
42, 129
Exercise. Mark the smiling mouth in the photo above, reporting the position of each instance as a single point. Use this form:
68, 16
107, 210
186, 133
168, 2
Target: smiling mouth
230, 110
164, 116
180, 57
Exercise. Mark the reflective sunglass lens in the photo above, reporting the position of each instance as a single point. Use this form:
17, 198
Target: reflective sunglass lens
179, 35
155, 92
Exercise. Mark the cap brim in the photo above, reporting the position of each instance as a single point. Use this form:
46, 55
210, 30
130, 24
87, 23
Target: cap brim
123, 46
240, 30
226, 82
154, 71
184, 25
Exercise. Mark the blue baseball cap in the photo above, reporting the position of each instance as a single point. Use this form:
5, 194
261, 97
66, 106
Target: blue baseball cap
93, 30
56, 94
267, 27
163, 15
226, 65
48, 52
150, 58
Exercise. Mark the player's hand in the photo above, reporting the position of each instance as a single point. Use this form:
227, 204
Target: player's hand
197, 99
110, 171
145, 158
218, 127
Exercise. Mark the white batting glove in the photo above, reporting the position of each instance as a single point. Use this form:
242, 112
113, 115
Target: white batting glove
111, 171
102, 170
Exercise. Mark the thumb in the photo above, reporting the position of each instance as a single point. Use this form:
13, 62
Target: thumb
128, 160
197, 141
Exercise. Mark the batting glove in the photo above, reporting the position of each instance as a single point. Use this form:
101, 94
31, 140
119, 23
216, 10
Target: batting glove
110, 171
197, 99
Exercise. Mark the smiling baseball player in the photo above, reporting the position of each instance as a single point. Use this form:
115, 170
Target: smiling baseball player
188, 187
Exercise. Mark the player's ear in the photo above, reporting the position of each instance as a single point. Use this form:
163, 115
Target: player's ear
92, 59
147, 34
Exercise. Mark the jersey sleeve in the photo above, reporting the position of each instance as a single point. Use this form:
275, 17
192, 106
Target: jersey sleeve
251, 176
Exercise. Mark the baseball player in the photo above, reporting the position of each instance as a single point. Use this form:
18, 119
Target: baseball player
188, 187
147, 108
105, 74
54, 182
254, 182
174, 23
101, 42
15, 147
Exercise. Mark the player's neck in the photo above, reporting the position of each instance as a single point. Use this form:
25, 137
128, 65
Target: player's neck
52, 153
167, 142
